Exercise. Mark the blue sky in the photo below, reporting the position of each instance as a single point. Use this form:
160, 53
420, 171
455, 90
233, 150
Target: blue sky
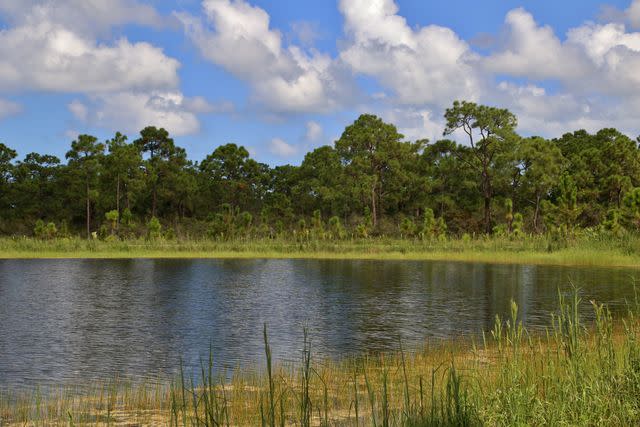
283, 77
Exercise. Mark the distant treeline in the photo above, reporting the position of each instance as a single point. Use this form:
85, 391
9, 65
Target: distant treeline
370, 182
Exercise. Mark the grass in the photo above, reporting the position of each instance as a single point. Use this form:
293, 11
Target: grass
586, 250
574, 374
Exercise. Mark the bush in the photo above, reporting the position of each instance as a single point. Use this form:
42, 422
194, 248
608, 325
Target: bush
112, 217
336, 230
45, 232
38, 230
154, 228
407, 227
51, 231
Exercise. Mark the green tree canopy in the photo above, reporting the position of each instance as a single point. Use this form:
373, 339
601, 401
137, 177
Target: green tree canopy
84, 162
490, 132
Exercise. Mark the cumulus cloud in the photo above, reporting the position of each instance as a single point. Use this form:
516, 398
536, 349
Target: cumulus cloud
132, 111
534, 51
415, 123
306, 32
614, 55
47, 56
426, 68
53, 46
237, 36
8, 108
633, 14
83, 16
198, 104
281, 149
427, 65
60, 46
78, 109
314, 131
541, 113
421, 70
594, 58
596, 70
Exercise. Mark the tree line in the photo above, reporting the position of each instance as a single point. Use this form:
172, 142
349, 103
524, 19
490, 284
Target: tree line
371, 181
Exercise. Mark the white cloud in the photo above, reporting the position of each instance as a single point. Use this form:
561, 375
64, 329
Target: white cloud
595, 71
305, 32
47, 56
540, 113
280, 148
535, 52
594, 58
427, 65
614, 55
63, 46
633, 14
132, 111
238, 37
314, 131
8, 108
53, 46
552, 114
535, 101
87, 17
198, 104
78, 109
415, 123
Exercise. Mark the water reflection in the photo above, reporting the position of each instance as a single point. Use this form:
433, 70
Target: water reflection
63, 321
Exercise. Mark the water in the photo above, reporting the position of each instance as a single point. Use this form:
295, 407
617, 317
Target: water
67, 321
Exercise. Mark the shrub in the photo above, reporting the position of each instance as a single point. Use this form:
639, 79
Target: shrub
154, 228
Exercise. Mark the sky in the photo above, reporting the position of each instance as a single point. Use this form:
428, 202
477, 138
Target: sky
284, 77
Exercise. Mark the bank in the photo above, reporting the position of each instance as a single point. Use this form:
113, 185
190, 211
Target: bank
588, 252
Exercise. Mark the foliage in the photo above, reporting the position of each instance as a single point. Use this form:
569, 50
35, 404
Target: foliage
154, 228
491, 135
45, 231
372, 180
112, 217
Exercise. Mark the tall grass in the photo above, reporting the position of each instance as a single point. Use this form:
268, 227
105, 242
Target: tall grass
572, 374
584, 249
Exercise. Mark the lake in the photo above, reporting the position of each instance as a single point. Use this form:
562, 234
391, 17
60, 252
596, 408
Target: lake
69, 321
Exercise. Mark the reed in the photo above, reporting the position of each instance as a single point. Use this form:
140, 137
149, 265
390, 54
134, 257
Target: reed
572, 374
586, 249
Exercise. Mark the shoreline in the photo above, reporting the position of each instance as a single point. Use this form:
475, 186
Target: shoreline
566, 257
443, 383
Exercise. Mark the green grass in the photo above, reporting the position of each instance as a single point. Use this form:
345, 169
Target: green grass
586, 250
574, 374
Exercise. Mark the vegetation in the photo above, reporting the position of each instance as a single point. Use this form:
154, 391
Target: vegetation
570, 375
370, 183
585, 249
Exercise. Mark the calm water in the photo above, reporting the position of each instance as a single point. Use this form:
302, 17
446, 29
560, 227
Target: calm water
63, 321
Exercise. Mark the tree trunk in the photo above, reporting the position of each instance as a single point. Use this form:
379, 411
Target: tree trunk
118, 203
379, 201
487, 214
88, 212
487, 193
374, 212
153, 202
536, 214
127, 197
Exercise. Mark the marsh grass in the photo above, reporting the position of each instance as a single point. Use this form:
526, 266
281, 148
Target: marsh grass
582, 250
571, 374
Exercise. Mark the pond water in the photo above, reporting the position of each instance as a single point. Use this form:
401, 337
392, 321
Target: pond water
69, 321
